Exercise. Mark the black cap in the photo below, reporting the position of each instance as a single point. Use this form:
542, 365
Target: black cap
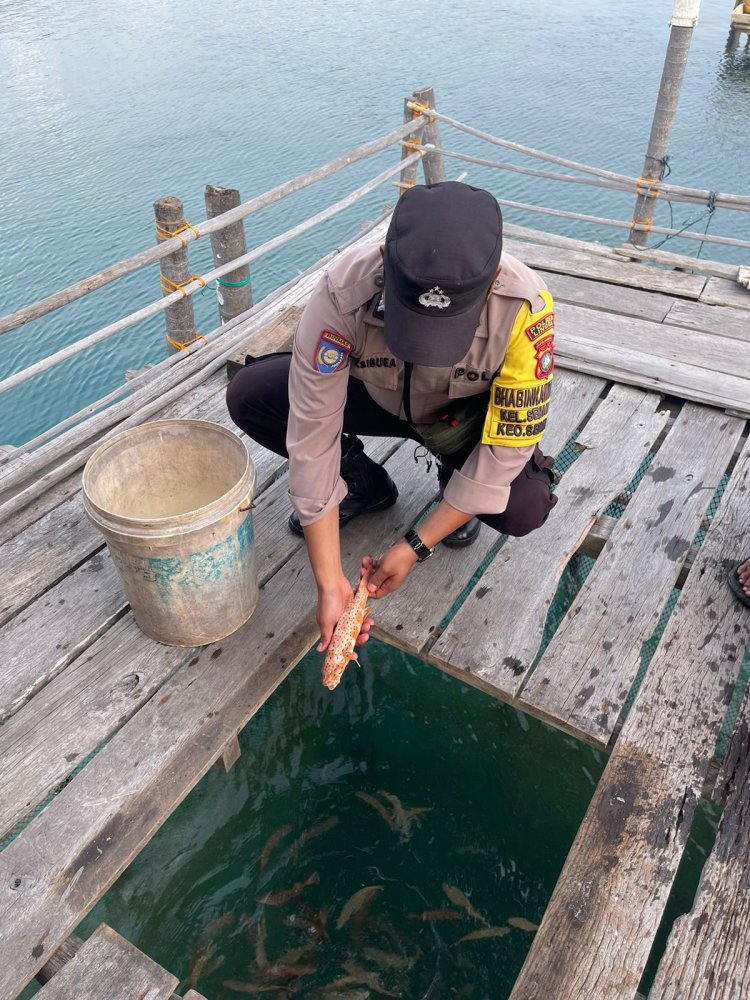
442, 252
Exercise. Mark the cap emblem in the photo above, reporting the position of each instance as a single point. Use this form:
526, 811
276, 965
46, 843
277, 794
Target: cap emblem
435, 297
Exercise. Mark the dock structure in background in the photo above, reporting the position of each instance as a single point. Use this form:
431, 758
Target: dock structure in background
650, 423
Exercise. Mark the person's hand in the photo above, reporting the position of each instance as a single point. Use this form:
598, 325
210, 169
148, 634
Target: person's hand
332, 599
390, 571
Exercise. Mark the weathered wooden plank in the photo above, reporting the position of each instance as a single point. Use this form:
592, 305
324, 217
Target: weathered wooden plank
604, 297
583, 679
107, 967
45, 740
42, 640
678, 344
680, 261
527, 235
599, 926
584, 264
721, 320
722, 292
708, 952
33, 561
56, 869
408, 619
493, 639
700, 385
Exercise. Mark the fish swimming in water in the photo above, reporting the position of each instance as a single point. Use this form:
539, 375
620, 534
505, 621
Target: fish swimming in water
389, 960
523, 924
284, 895
238, 987
458, 898
316, 830
404, 815
361, 899
273, 840
436, 915
484, 932
348, 627
378, 806
398, 817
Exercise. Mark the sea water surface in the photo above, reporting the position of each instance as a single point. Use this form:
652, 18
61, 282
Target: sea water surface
106, 107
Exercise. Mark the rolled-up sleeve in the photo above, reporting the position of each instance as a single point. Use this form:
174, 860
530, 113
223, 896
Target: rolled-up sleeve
317, 395
482, 484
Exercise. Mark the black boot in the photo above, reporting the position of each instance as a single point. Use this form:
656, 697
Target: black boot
370, 488
467, 533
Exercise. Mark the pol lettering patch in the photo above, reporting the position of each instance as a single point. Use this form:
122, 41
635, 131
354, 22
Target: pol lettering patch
332, 352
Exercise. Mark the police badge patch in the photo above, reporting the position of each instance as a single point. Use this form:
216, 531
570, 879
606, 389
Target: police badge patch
331, 353
545, 357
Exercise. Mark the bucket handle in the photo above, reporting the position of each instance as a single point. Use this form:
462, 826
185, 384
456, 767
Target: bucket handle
247, 504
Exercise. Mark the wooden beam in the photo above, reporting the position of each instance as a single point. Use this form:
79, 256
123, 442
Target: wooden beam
707, 956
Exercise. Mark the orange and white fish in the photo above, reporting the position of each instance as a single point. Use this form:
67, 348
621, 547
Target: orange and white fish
348, 627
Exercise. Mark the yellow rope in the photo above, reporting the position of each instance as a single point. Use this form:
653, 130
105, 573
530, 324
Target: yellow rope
648, 192
166, 234
185, 347
413, 144
169, 286
418, 109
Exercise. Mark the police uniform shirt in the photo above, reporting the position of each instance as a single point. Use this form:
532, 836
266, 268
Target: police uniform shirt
340, 334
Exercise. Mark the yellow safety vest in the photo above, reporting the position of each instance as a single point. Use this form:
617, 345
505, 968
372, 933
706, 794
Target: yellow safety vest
519, 398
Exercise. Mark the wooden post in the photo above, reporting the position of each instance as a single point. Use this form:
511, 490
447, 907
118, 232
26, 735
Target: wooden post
684, 19
408, 176
233, 291
229, 756
433, 164
175, 270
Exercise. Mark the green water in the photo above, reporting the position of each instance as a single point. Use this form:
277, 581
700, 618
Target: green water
506, 795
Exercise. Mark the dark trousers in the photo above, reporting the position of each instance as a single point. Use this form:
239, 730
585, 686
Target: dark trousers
258, 402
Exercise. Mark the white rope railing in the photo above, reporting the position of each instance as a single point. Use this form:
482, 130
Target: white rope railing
636, 184
158, 393
200, 281
81, 288
147, 376
619, 224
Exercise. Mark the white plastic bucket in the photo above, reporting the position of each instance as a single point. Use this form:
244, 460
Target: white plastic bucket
172, 498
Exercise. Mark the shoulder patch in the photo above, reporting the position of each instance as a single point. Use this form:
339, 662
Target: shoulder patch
545, 324
331, 353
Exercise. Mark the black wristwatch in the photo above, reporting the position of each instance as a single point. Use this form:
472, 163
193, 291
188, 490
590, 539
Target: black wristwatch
423, 551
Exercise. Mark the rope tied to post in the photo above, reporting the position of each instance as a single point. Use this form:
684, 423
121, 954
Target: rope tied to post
165, 234
170, 286
417, 109
234, 284
186, 346
414, 145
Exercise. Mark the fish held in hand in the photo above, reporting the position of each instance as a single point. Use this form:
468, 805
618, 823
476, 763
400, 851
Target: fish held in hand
341, 648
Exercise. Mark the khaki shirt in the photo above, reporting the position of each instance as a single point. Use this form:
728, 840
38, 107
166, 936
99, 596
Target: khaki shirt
340, 334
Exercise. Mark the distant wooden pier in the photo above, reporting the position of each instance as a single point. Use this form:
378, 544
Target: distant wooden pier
105, 731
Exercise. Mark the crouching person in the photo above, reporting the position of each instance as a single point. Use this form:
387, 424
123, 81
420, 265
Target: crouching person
436, 337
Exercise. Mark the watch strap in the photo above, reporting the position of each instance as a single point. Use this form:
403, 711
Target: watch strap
422, 551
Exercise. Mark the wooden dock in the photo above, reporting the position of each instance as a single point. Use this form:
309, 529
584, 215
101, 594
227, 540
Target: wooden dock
105, 732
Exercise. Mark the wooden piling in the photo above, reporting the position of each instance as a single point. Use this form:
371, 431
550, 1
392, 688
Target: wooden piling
233, 292
175, 271
408, 177
684, 18
433, 163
